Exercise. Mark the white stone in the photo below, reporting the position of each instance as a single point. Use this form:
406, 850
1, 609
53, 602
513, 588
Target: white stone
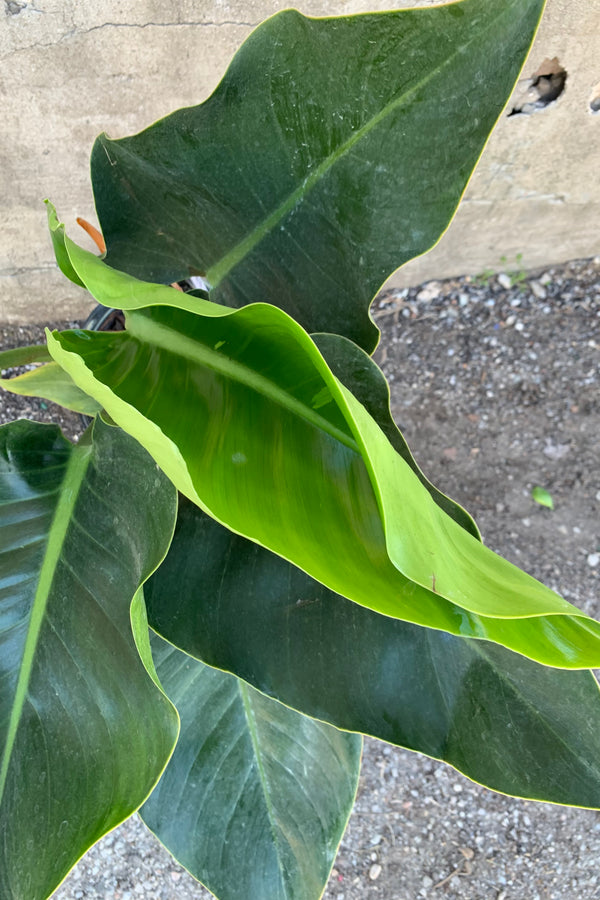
375, 872
430, 291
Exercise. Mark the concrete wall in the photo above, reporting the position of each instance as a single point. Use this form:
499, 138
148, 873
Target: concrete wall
70, 69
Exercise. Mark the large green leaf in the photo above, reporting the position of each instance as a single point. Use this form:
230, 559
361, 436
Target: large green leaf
84, 731
256, 797
502, 720
333, 151
281, 452
347, 361
48, 380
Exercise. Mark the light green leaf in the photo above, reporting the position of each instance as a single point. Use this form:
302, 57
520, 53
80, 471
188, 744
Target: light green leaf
543, 497
333, 151
57, 234
84, 731
499, 718
48, 381
322, 487
256, 797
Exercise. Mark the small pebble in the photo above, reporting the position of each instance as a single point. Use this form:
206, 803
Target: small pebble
430, 291
593, 559
505, 281
375, 872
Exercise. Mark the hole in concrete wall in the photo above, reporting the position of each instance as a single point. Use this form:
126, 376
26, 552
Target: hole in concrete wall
595, 99
13, 7
544, 87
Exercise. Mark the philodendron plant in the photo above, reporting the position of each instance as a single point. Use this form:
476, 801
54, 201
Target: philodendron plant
244, 491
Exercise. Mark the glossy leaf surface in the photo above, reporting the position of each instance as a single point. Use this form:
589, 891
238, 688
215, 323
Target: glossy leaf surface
84, 730
48, 381
502, 720
281, 452
333, 151
256, 797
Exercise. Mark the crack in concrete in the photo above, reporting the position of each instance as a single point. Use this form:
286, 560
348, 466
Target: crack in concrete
77, 32
26, 270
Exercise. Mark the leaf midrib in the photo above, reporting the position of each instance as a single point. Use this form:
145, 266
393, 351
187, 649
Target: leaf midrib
156, 334
254, 737
216, 273
69, 492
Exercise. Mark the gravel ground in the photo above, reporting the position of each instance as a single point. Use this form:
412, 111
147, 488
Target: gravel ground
495, 384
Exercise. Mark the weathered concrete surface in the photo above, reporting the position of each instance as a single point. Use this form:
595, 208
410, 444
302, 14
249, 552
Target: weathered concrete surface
70, 69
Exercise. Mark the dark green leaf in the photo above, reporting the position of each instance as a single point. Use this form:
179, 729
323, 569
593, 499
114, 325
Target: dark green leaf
333, 151
503, 720
256, 797
84, 731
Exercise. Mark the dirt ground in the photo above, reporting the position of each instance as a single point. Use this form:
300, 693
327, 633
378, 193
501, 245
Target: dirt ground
495, 385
